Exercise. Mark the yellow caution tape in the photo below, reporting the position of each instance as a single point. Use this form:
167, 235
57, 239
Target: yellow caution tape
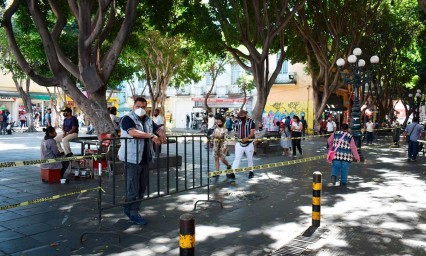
186, 241
46, 161
279, 138
267, 166
44, 199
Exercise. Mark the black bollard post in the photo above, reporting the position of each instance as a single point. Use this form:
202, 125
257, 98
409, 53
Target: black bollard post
187, 235
316, 199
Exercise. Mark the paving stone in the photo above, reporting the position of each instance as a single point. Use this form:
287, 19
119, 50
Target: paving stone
33, 229
7, 235
18, 245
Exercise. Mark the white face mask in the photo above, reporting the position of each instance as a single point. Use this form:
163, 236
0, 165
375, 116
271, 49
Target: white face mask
140, 112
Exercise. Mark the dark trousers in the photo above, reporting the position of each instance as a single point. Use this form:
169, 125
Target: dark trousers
413, 149
137, 176
295, 143
369, 137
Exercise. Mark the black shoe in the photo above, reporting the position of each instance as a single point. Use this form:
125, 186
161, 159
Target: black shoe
333, 179
61, 154
342, 184
229, 167
251, 175
69, 154
230, 176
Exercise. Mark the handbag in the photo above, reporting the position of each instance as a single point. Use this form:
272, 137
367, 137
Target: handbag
8, 127
332, 151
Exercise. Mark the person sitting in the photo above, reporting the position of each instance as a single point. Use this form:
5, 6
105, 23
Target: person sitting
70, 132
49, 150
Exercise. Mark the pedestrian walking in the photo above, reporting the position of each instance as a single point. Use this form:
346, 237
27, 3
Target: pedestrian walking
285, 141
188, 120
346, 151
220, 150
369, 128
296, 135
141, 130
2, 121
413, 132
48, 118
244, 129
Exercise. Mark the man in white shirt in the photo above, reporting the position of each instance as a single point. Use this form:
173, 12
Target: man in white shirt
331, 125
369, 127
158, 119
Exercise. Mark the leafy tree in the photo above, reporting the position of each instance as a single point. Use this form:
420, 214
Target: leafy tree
250, 31
164, 60
327, 29
246, 85
22, 82
80, 43
214, 67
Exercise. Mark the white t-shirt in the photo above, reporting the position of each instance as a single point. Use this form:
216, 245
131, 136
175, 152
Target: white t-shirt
331, 126
369, 126
158, 120
297, 127
210, 124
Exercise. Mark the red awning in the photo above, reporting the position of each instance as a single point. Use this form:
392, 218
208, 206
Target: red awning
219, 100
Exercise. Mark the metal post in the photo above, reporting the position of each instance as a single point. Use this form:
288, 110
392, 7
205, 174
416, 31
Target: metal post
187, 235
316, 199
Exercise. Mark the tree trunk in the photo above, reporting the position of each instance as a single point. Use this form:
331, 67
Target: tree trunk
26, 99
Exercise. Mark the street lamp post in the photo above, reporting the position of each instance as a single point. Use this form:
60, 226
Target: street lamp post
357, 75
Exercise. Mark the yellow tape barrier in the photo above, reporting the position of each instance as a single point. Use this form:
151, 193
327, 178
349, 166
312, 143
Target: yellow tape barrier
45, 161
44, 199
267, 166
279, 138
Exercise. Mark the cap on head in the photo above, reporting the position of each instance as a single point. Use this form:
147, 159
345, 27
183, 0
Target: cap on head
242, 113
66, 110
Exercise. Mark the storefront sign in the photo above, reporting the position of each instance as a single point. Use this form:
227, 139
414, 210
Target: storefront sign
2, 98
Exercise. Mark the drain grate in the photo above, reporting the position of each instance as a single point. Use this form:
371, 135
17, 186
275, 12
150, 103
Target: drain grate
300, 244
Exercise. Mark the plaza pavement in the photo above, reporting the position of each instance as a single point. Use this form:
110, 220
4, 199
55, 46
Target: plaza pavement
382, 211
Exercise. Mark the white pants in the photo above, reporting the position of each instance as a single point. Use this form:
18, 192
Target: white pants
66, 140
239, 151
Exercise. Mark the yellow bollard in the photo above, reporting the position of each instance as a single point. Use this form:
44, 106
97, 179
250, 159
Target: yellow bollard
316, 199
187, 235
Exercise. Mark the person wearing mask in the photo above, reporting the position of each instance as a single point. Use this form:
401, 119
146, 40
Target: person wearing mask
219, 144
412, 133
69, 132
345, 153
369, 128
141, 133
48, 118
244, 130
114, 118
296, 135
258, 135
49, 150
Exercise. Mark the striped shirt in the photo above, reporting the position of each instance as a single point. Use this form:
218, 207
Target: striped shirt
243, 128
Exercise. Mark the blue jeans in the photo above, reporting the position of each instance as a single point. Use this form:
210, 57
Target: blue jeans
137, 177
340, 168
413, 149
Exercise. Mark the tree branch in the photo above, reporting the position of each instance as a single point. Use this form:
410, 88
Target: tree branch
25, 66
